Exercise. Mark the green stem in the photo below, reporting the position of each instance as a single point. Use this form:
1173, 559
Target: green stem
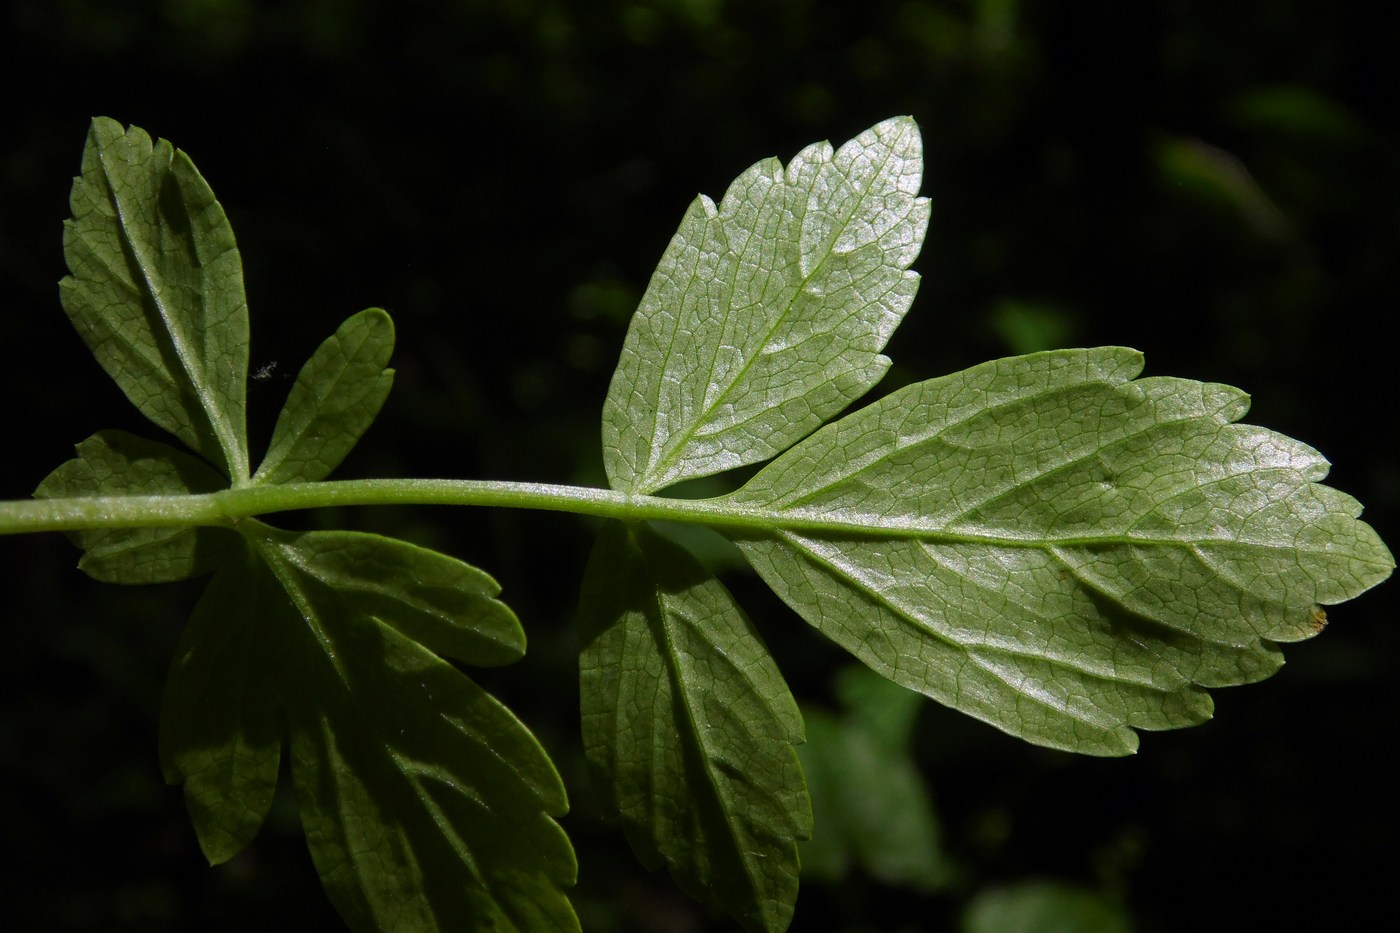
230, 506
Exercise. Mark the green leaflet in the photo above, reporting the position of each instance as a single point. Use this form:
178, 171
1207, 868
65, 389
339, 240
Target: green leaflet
220, 732
1061, 551
335, 398
870, 805
426, 804
156, 290
115, 463
690, 729
767, 314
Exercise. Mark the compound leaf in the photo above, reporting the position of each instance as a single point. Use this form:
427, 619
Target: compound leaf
768, 312
156, 290
115, 463
334, 399
1050, 546
426, 804
690, 729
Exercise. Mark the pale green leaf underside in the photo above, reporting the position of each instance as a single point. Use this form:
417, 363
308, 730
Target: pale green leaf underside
690, 728
427, 805
115, 463
767, 313
1059, 550
156, 290
334, 399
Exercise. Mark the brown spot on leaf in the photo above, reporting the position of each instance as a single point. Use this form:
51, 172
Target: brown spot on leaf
1319, 619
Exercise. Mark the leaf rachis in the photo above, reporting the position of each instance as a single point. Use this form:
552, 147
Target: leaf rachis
1047, 543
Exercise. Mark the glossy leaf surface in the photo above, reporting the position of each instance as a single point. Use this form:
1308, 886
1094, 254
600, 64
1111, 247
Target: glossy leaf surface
690, 728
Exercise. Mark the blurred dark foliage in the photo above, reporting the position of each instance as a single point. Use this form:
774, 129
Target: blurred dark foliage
1215, 184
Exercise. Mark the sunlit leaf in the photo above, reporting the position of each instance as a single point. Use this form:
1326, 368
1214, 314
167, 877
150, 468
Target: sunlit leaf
768, 312
1059, 550
156, 290
690, 728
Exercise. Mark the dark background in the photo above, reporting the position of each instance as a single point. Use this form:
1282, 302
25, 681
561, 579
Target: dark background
1215, 184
